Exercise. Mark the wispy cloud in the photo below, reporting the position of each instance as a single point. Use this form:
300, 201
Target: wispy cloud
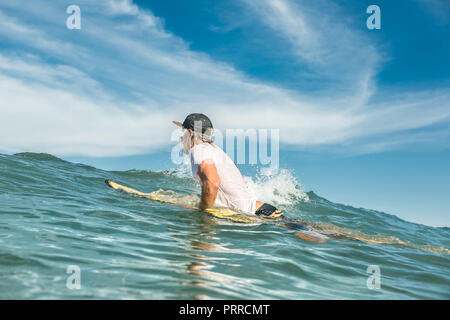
322, 40
113, 87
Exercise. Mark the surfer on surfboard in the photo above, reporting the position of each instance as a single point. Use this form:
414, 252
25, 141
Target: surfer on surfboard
223, 186
221, 181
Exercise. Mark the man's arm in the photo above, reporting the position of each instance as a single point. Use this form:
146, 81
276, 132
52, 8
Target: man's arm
210, 183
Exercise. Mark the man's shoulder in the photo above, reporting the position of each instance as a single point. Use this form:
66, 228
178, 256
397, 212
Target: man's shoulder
205, 147
200, 152
205, 151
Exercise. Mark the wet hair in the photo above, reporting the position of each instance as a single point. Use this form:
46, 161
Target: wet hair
206, 136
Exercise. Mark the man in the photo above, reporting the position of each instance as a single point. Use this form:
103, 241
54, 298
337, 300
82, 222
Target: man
221, 181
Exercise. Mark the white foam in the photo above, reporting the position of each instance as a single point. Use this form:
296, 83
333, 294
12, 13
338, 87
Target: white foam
280, 188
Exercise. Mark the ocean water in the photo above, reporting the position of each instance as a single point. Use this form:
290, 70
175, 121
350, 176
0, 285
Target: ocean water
55, 214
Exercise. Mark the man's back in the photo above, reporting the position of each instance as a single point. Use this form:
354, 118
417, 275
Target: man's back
232, 192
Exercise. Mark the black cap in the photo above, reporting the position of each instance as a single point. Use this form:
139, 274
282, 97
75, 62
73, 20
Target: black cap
195, 119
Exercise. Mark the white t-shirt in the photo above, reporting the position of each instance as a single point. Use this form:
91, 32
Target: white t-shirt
233, 192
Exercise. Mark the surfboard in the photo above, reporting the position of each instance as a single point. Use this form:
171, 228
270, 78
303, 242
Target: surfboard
186, 201
300, 228
312, 232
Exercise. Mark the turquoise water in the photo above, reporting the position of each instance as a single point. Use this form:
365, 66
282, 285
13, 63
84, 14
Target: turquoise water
56, 214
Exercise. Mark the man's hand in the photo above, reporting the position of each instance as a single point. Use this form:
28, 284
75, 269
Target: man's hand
210, 181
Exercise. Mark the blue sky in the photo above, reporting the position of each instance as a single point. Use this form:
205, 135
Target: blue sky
363, 114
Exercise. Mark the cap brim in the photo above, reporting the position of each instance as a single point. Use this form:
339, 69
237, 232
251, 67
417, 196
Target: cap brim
178, 123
